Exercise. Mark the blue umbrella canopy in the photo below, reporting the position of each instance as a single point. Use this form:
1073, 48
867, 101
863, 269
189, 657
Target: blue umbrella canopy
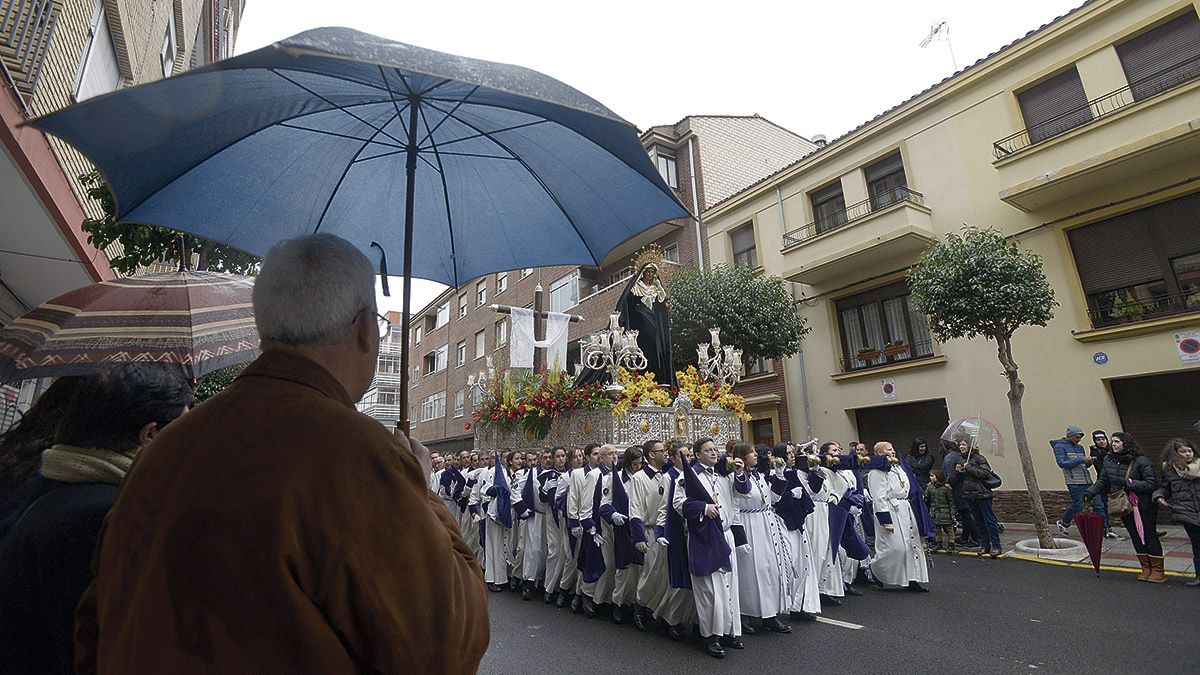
512, 168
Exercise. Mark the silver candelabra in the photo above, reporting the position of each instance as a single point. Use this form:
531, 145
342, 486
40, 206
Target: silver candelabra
611, 349
717, 362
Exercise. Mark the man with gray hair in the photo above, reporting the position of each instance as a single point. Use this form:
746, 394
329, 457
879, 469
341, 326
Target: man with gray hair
277, 529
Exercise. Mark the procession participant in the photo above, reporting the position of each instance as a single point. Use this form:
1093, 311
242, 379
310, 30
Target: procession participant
899, 547
825, 491
766, 569
555, 466
530, 509
516, 544
704, 498
648, 492
568, 572
436, 465
451, 484
614, 509
795, 502
847, 482
597, 548
677, 609
588, 560
492, 499
471, 531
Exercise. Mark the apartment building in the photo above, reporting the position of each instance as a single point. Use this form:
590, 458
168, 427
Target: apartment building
704, 158
1081, 141
54, 53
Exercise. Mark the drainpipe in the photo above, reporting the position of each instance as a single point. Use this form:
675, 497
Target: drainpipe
800, 354
696, 202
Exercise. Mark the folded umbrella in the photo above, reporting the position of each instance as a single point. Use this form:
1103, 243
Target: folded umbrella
1134, 500
1091, 531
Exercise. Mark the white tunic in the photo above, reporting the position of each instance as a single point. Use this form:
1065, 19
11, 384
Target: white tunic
766, 572
625, 581
646, 498
601, 592
900, 554
806, 595
561, 571
470, 528
817, 526
676, 607
496, 536
718, 606
849, 565
533, 565
577, 480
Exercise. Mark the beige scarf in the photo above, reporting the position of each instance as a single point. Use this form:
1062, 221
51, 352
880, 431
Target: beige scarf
72, 464
1191, 470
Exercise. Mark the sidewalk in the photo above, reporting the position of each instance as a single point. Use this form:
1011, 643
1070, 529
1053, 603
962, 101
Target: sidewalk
1177, 549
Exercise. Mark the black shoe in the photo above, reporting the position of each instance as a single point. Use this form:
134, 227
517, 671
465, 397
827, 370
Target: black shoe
618, 614
774, 625
1160, 533
495, 588
527, 591
802, 616
677, 633
733, 642
830, 600
548, 597
876, 582
853, 592
1194, 583
639, 619
712, 647
577, 604
589, 607
748, 626
564, 598
914, 587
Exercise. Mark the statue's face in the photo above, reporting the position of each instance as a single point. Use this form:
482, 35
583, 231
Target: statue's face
649, 275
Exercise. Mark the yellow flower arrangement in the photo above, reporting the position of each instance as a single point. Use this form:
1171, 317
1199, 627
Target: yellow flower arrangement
639, 388
704, 394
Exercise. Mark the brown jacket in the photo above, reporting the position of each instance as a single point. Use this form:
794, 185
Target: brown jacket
275, 529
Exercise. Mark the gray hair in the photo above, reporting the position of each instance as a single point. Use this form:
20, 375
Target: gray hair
311, 289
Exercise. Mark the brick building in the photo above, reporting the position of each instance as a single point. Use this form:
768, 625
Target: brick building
704, 158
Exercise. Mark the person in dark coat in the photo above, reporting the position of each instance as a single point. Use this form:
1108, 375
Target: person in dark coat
1180, 492
1125, 468
45, 558
940, 497
973, 472
955, 455
921, 461
22, 445
1098, 450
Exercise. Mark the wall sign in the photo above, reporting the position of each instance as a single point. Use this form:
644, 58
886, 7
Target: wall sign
889, 389
1188, 345
1100, 358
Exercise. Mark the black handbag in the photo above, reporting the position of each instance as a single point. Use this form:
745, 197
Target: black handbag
994, 482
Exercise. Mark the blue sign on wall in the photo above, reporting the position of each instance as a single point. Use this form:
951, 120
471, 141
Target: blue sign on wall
1100, 358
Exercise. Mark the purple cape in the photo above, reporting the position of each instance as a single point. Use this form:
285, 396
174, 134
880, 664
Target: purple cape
676, 535
708, 550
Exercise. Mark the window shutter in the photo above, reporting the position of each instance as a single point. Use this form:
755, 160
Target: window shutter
1162, 57
1054, 106
1115, 253
884, 167
826, 193
1177, 226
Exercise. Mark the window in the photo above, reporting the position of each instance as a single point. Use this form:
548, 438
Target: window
759, 366
1054, 106
886, 183
386, 397
501, 333
460, 397
412, 415
501, 282
98, 71
829, 207
881, 326
418, 333
480, 293
744, 251
389, 365
526, 272
665, 160
479, 345
1142, 264
619, 276
462, 306
433, 407
460, 353
443, 315
671, 253
1162, 57
416, 377
564, 293
435, 361
167, 54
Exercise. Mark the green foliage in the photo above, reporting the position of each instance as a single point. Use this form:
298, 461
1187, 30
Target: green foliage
146, 244
755, 313
979, 283
215, 382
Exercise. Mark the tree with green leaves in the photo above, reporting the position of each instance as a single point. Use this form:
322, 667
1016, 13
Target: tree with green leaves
215, 382
144, 245
754, 312
979, 283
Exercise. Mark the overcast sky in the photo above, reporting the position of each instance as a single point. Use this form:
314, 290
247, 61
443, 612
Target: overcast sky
812, 67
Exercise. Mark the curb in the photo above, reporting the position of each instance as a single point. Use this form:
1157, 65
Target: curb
1061, 563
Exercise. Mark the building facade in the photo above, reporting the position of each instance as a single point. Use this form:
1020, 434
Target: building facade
704, 158
1081, 142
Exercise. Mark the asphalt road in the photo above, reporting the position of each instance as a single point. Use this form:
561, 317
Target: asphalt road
981, 616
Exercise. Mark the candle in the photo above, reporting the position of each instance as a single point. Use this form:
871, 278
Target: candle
716, 336
614, 321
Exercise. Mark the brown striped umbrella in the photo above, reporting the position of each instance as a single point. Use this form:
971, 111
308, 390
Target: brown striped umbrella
198, 321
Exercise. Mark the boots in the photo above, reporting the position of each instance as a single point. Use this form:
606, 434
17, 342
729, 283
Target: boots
1145, 561
1156, 570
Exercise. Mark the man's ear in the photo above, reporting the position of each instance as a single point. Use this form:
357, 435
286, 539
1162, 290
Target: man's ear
364, 328
147, 434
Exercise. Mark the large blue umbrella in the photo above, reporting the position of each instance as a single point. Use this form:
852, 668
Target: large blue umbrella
460, 167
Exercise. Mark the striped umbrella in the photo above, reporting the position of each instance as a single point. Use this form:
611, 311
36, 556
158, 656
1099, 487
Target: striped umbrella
198, 321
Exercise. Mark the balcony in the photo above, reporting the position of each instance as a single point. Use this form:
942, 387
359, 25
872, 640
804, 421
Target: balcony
25, 30
1115, 309
887, 355
1150, 125
876, 231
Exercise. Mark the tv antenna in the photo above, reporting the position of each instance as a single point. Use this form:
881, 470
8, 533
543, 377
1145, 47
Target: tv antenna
940, 30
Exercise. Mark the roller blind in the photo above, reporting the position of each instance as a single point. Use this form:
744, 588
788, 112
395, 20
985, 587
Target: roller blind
1115, 253
1177, 226
1162, 57
1055, 105
884, 167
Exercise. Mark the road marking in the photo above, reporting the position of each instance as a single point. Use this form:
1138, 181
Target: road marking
843, 624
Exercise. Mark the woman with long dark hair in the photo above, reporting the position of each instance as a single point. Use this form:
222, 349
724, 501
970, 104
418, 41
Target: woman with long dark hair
22, 445
920, 460
1180, 492
1126, 469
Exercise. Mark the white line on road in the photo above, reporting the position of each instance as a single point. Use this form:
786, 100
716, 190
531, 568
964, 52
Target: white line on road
843, 624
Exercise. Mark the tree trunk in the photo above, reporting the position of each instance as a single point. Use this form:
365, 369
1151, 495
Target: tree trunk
205, 251
1016, 389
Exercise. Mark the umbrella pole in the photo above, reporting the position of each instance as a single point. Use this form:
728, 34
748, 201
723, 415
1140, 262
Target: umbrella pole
403, 425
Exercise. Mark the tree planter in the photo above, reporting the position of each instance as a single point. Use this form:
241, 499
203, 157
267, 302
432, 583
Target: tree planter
1068, 550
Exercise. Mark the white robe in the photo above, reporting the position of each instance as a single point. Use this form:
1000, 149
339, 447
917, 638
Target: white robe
646, 499
900, 554
850, 565
766, 572
601, 592
718, 606
470, 528
577, 480
817, 526
806, 595
677, 607
496, 536
625, 581
533, 564
561, 570
516, 552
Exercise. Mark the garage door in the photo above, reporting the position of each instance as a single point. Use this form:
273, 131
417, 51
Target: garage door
1156, 408
901, 423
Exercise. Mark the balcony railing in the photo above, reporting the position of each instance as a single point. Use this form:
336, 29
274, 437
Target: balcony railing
853, 212
885, 356
1099, 108
26, 27
1131, 310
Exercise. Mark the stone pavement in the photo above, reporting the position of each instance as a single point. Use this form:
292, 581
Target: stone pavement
1177, 549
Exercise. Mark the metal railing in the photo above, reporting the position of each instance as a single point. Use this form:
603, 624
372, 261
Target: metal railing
884, 356
1113, 309
1099, 108
26, 27
833, 221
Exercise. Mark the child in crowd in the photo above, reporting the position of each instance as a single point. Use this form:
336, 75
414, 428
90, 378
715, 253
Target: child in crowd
940, 498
